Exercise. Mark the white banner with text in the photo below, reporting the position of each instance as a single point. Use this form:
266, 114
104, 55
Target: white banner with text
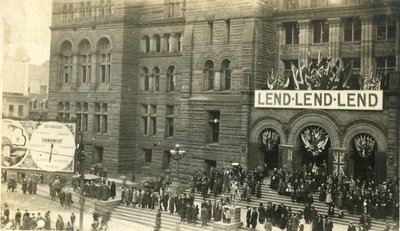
319, 99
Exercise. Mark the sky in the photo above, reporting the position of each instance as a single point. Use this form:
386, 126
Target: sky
29, 22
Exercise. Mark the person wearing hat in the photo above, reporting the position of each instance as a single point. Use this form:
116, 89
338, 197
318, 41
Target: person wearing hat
18, 216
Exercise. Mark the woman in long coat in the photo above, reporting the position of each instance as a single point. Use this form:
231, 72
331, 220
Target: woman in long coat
261, 213
113, 190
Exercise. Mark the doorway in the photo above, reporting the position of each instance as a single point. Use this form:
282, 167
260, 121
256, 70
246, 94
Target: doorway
314, 144
364, 150
269, 140
208, 164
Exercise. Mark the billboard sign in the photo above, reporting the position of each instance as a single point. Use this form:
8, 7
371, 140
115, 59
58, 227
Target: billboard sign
320, 99
32, 145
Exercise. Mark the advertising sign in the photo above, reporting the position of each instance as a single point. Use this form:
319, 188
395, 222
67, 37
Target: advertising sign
32, 145
319, 99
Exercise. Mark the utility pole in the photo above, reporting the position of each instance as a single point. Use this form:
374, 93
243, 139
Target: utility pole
81, 157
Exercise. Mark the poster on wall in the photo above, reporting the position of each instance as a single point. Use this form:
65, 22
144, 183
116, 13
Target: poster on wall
32, 145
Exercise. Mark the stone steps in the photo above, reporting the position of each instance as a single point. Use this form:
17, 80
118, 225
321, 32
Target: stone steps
129, 216
269, 195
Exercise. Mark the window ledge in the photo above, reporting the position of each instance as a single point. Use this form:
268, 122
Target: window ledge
212, 144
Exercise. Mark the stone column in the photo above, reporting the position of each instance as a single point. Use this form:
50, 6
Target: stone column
304, 39
75, 72
171, 42
367, 43
180, 43
280, 41
335, 25
152, 44
163, 43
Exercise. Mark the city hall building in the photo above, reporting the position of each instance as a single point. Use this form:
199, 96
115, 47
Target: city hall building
217, 78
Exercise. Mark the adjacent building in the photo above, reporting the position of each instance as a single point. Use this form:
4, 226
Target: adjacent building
140, 76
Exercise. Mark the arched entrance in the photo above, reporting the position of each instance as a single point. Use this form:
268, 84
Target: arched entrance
313, 146
269, 141
363, 148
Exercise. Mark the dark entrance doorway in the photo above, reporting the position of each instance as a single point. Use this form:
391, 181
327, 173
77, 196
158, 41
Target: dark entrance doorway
269, 140
314, 144
364, 152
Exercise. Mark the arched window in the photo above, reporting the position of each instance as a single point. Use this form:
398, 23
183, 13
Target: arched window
85, 61
146, 79
157, 41
170, 78
66, 60
104, 49
226, 74
209, 74
146, 44
41, 105
156, 74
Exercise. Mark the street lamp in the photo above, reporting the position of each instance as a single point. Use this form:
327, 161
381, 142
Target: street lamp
177, 154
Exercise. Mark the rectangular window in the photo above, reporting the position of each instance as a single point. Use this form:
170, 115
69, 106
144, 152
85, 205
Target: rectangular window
213, 123
103, 73
96, 107
20, 110
153, 125
385, 64
66, 74
386, 28
145, 125
147, 156
11, 109
99, 151
210, 32
354, 82
104, 123
84, 121
96, 127
169, 127
166, 160
321, 31
84, 74
352, 30
227, 30
291, 33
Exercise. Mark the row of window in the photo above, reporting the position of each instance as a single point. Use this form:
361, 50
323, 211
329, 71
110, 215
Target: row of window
151, 81
173, 8
219, 80
161, 43
227, 31
86, 60
385, 30
81, 113
383, 64
149, 120
36, 105
11, 110
86, 11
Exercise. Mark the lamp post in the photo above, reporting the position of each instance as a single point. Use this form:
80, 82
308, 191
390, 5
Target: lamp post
177, 154
81, 157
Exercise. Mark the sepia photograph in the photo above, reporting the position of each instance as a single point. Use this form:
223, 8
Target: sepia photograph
195, 115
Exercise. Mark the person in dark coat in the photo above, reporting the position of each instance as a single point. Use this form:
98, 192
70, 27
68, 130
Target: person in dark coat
59, 223
261, 213
18, 216
351, 227
113, 190
62, 198
204, 216
195, 214
68, 199
307, 214
254, 218
248, 217
328, 224
47, 221
171, 204
282, 222
189, 213
183, 213
24, 185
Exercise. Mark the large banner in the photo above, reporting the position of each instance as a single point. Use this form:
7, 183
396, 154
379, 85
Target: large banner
319, 99
32, 145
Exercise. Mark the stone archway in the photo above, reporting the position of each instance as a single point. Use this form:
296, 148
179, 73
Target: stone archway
312, 119
257, 150
364, 166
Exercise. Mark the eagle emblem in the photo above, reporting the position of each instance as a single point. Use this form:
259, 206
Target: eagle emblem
364, 144
315, 140
270, 138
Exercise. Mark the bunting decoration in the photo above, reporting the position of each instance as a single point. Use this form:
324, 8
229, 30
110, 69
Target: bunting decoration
365, 144
315, 139
277, 82
270, 138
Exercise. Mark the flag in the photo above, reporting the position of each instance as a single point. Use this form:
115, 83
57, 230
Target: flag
348, 73
295, 72
319, 58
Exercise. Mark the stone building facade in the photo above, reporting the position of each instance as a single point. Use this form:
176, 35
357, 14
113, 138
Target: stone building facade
139, 77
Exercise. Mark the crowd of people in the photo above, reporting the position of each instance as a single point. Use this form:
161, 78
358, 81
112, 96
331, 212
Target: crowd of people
375, 199
31, 221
